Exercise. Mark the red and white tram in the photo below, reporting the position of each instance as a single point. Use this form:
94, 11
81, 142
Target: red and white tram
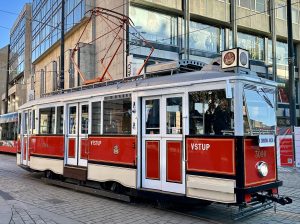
206, 135
8, 132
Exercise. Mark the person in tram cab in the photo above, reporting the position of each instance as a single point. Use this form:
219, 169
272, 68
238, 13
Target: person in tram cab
196, 120
209, 118
222, 118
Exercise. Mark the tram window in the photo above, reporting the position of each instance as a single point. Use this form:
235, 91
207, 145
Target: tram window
174, 115
152, 116
96, 118
47, 120
33, 120
210, 113
26, 123
60, 120
117, 116
72, 120
84, 119
19, 123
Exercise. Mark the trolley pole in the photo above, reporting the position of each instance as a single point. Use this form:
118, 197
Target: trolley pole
62, 47
291, 61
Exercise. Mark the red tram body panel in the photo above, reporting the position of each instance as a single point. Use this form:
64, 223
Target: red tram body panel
47, 146
8, 146
112, 150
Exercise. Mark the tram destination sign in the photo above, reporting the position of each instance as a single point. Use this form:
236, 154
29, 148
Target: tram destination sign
266, 140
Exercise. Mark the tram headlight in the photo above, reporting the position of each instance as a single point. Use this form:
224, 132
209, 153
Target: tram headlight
262, 168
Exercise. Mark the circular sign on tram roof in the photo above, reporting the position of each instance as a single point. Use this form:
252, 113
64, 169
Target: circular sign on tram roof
229, 58
243, 58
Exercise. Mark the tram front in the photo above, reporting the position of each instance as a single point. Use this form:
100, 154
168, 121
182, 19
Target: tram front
230, 150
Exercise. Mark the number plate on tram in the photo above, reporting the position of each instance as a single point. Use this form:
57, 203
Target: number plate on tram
266, 140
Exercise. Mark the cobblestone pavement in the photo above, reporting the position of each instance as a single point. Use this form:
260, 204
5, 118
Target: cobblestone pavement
33, 202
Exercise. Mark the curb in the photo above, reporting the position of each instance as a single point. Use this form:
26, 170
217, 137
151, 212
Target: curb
5, 212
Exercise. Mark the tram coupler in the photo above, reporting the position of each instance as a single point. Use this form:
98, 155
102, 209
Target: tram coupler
281, 200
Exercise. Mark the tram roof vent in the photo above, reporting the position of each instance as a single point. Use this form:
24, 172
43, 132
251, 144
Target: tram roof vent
175, 67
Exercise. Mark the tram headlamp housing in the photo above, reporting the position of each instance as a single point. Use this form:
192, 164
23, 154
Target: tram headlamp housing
262, 168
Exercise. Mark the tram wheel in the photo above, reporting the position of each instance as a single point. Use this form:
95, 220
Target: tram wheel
49, 174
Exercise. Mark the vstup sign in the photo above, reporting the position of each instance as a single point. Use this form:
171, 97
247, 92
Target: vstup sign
236, 57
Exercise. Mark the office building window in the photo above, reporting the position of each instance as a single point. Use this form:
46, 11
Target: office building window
281, 11
260, 5
254, 44
154, 26
42, 81
245, 3
54, 75
46, 22
295, 15
17, 49
204, 37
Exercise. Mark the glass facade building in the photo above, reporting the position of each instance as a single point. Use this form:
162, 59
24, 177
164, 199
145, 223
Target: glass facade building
17, 49
46, 22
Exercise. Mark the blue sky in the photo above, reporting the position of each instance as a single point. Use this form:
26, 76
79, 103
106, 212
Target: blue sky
7, 19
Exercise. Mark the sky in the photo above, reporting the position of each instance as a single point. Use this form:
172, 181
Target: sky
9, 11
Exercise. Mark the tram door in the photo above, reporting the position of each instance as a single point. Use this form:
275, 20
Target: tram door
163, 157
77, 134
26, 121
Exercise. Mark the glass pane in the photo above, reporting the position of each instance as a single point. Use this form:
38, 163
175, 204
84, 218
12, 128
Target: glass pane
117, 116
84, 119
72, 120
47, 120
26, 123
96, 118
152, 116
60, 120
210, 113
174, 115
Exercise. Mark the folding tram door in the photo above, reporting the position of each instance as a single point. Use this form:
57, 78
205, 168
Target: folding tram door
77, 134
163, 158
26, 127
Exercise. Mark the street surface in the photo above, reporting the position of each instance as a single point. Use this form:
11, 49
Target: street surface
26, 199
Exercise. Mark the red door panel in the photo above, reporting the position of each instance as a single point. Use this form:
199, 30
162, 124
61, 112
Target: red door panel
153, 160
72, 145
84, 149
174, 161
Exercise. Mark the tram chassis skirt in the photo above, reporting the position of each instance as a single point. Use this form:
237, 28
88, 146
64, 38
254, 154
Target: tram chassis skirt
88, 190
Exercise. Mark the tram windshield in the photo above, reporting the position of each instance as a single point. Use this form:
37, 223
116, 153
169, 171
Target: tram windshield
259, 110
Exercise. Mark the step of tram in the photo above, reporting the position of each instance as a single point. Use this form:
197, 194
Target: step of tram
75, 172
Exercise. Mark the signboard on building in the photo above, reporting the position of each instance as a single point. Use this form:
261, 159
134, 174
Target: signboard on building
236, 57
297, 146
285, 151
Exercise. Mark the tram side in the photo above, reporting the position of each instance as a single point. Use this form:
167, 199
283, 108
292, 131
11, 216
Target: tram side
8, 133
195, 135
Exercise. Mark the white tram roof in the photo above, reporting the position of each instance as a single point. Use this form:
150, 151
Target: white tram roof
142, 84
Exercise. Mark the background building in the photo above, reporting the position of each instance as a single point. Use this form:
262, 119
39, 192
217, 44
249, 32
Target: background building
4, 52
177, 29
19, 59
